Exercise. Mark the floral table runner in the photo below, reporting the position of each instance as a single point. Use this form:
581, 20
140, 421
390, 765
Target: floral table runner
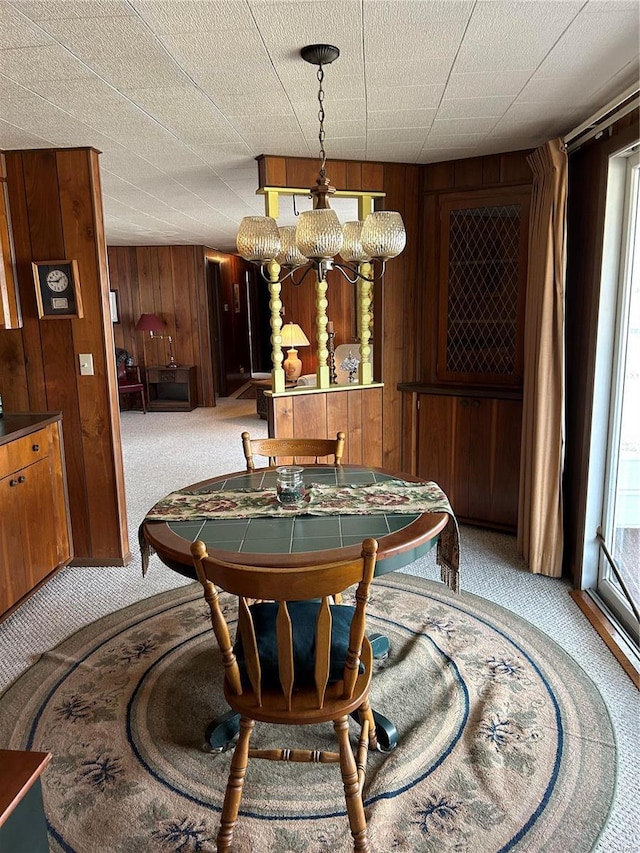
389, 496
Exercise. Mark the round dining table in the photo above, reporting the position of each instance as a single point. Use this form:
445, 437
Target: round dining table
297, 540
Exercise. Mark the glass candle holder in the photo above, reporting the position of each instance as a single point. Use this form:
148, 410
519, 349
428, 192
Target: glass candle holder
290, 486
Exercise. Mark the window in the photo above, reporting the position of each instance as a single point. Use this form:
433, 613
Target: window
612, 541
620, 527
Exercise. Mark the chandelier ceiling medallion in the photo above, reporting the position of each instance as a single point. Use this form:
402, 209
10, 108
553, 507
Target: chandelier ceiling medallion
319, 237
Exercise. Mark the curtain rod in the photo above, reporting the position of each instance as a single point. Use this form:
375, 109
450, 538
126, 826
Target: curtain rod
604, 117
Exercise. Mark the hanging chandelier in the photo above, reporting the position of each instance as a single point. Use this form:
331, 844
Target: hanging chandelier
319, 237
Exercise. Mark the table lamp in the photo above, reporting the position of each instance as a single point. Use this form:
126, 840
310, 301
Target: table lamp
154, 325
292, 337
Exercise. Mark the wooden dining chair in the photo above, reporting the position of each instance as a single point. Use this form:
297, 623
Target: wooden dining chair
297, 660
293, 449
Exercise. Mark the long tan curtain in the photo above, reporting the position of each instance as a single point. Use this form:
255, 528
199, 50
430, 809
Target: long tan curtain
540, 537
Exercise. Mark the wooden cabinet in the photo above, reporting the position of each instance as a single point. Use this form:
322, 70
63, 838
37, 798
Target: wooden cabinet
35, 533
23, 827
172, 389
468, 443
462, 421
482, 281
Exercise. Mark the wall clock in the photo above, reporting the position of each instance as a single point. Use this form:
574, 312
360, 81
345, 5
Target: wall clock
57, 289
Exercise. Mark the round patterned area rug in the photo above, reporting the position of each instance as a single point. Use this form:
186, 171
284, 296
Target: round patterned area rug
505, 743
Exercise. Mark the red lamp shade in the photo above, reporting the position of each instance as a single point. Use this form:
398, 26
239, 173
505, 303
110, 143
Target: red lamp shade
149, 323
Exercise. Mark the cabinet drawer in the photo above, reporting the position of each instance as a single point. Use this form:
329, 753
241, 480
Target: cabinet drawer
168, 374
24, 451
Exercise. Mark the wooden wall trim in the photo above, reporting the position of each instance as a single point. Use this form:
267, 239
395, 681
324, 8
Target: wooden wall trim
302, 172
10, 314
607, 631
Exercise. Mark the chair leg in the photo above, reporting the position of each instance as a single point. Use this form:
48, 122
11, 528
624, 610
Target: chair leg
144, 405
233, 794
352, 795
365, 712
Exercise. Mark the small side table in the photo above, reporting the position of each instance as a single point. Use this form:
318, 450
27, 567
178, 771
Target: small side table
23, 828
172, 389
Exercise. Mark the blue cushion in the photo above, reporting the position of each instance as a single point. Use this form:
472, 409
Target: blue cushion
303, 620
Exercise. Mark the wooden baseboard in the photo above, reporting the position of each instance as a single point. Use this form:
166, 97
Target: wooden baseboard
607, 631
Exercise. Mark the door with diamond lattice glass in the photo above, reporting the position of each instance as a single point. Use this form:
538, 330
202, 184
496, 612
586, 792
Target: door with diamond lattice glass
483, 256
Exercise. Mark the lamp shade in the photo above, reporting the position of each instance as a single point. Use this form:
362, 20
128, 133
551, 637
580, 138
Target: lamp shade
149, 323
258, 238
289, 254
352, 250
293, 336
383, 234
319, 233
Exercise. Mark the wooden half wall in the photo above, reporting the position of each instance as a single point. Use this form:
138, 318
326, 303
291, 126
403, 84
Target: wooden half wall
56, 213
357, 411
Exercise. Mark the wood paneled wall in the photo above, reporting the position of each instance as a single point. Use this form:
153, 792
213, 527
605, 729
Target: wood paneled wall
169, 281
588, 171
56, 212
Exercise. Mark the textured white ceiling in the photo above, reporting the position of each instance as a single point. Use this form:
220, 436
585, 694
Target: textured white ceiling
182, 95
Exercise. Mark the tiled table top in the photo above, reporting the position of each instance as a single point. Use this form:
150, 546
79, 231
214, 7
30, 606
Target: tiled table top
260, 537
295, 534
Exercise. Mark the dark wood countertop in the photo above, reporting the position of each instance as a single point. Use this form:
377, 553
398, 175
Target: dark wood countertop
18, 424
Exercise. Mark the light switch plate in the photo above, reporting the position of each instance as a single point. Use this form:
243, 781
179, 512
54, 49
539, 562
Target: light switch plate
86, 363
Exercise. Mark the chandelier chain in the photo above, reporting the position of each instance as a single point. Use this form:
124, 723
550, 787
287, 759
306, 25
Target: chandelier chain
321, 134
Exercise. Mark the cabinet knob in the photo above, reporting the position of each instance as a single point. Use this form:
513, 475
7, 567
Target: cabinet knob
13, 482
21, 478
476, 403
464, 402
35, 447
